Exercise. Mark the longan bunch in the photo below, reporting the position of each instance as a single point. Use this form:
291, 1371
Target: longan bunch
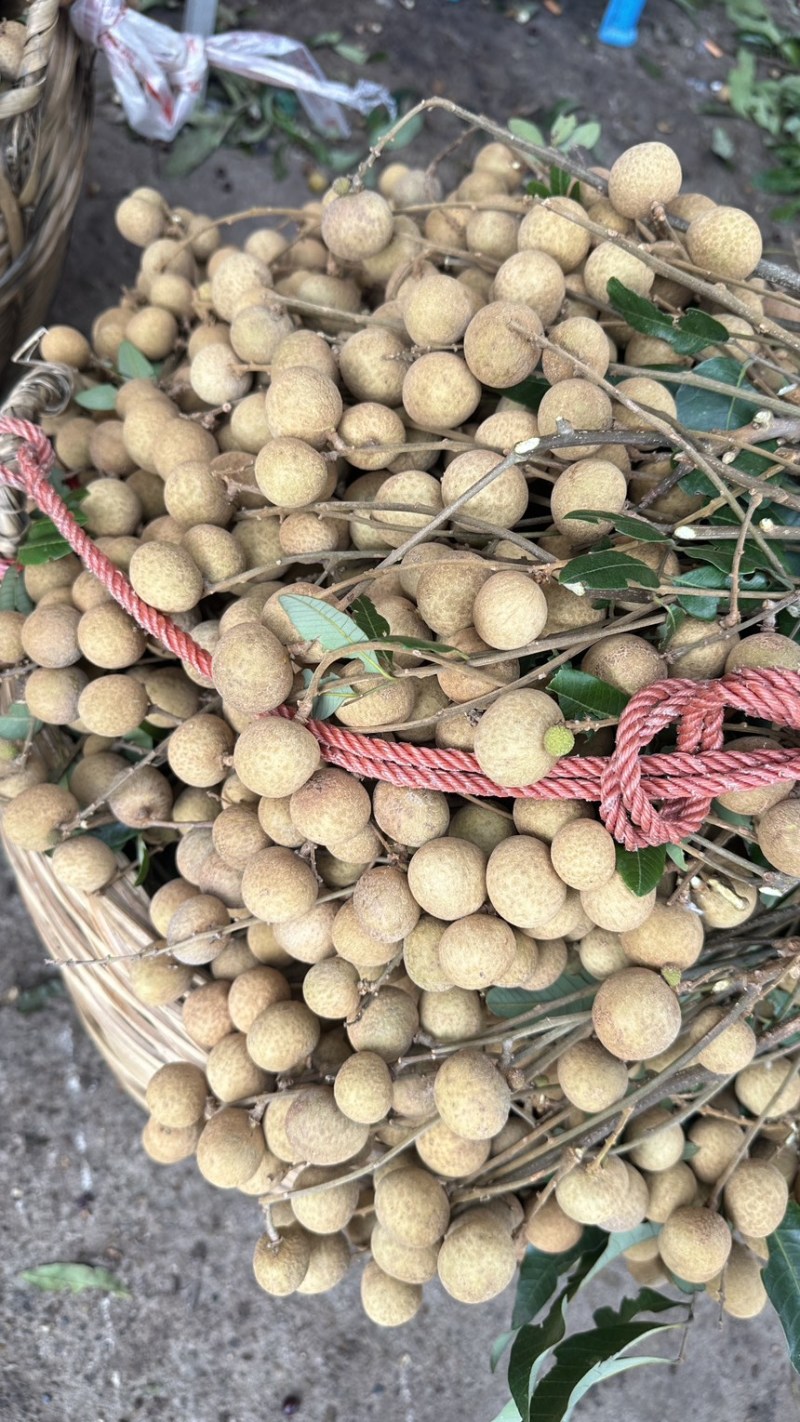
343, 954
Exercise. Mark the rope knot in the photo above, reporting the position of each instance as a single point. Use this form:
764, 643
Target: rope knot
34, 458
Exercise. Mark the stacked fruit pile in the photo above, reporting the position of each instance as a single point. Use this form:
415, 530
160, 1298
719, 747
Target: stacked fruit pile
440, 468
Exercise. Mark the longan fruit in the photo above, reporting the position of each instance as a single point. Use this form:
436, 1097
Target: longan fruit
291, 473
583, 406
49, 635
439, 391
695, 1243
52, 694
501, 343
548, 1229
625, 661
660, 1140
176, 1095
607, 261
477, 1260
635, 1014
471, 1095
330, 989
643, 175
251, 669
506, 428
387, 1024
731, 1051
11, 625
283, 1036
400, 1261
759, 1083
278, 885
363, 1088
446, 589
386, 1301
232, 1076
281, 1266
166, 900
482, 825
755, 1198
544, 818
590, 1192
717, 1143
724, 241
324, 1211
583, 854
533, 278
580, 337
647, 393
670, 935
372, 364
520, 737
109, 638
145, 794
159, 981
238, 280
521, 883
452, 1014
319, 1132
357, 225
201, 915
492, 233
154, 331
551, 227
614, 906
166, 576
502, 502
447, 877
85, 863
301, 403
448, 1155
197, 750
601, 953
740, 1287
725, 905
309, 938
778, 834
166, 1145
438, 311
410, 816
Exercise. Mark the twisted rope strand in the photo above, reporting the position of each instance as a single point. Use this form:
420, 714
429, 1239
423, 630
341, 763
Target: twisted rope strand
626, 783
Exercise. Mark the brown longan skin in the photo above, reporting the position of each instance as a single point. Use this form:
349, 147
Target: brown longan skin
635, 1014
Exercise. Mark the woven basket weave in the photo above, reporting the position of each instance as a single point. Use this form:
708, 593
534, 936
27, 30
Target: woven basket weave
44, 133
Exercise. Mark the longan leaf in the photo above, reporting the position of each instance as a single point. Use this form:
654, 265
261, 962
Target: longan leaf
527, 131
782, 1278
132, 365
99, 397
511, 1002
618, 1243
317, 621
17, 723
710, 410
328, 703
368, 618
13, 597
637, 528
73, 1279
607, 570
588, 1358
583, 696
539, 1273
641, 869
688, 334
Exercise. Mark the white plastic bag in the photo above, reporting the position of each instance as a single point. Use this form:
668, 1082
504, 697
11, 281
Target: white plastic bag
159, 73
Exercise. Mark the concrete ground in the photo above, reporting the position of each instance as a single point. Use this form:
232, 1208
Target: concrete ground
196, 1340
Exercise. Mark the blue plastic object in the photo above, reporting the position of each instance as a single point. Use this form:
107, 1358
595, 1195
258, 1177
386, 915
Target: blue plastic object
620, 23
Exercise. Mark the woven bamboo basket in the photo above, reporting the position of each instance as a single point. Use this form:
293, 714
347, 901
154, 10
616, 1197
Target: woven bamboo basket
44, 133
94, 932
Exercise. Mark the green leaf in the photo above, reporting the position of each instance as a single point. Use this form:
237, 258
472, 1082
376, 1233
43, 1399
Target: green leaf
782, 1278
114, 835
529, 392
560, 181
193, 145
318, 621
581, 695
709, 410
539, 1274
678, 856
17, 723
73, 1279
641, 869
618, 1243
562, 130
588, 1358
142, 862
637, 528
132, 364
353, 53
368, 618
605, 570
13, 597
675, 617
98, 397
688, 335
722, 145
528, 132
328, 703
512, 1002
586, 135
34, 999
705, 608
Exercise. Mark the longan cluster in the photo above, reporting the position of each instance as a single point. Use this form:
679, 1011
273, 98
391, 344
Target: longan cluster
340, 948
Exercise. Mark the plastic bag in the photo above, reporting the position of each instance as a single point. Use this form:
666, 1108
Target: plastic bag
159, 73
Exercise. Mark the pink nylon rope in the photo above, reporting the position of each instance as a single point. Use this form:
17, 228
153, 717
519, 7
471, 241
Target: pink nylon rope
626, 783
